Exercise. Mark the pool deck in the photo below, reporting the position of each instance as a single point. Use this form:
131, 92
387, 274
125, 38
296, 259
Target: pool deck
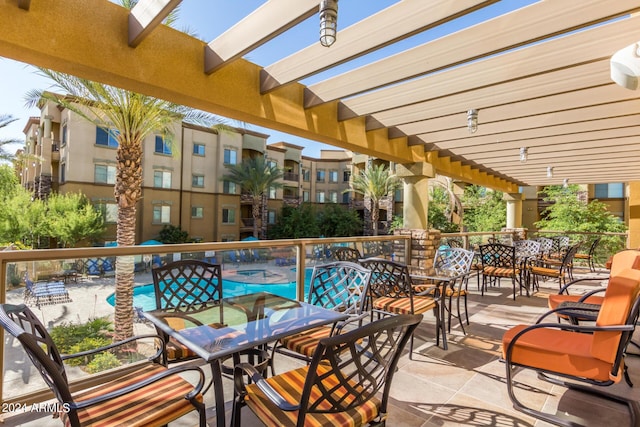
461, 386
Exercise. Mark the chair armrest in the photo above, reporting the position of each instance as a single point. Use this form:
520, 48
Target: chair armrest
337, 328
243, 369
593, 292
156, 356
565, 288
125, 390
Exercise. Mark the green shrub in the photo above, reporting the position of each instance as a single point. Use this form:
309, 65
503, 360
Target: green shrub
67, 335
102, 362
88, 343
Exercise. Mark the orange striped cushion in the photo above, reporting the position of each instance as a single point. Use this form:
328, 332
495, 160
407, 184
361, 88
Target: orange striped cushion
177, 351
154, 405
545, 271
403, 305
500, 271
289, 385
307, 342
582, 256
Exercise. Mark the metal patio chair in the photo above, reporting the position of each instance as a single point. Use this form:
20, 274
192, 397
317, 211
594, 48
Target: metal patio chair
149, 395
346, 383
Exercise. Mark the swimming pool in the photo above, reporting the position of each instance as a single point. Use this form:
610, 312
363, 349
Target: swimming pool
144, 295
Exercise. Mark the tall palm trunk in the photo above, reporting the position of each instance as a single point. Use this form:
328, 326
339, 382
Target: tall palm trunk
128, 190
375, 214
255, 212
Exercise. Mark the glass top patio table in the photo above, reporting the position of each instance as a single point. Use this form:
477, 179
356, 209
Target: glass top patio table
249, 321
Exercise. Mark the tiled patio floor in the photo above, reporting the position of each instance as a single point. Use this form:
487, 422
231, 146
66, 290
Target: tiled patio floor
465, 385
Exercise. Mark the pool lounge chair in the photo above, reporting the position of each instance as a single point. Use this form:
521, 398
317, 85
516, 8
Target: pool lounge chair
45, 293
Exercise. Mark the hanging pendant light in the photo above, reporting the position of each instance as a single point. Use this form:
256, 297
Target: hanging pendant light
472, 120
524, 154
549, 172
328, 22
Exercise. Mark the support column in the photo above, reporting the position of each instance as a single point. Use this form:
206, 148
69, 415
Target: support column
633, 241
416, 193
514, 209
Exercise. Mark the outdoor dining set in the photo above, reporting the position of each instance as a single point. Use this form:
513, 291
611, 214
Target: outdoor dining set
350, 332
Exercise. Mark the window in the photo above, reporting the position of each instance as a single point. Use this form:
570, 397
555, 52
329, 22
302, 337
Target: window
320, 175
162, 179
63, 172
106, 138
161, 214
346, 175
162, 146
272, 193
197, 212
228, 216
320, 197
333, 176
64, 134
609, 191
104, 174
272, 163
197, 180
271, 217
198, 149
306, 175
346, 197
228, 187
305, 196
230, 156
109, 212
333, 196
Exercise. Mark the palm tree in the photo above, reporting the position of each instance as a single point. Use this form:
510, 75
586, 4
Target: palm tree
255, 176
375, 183
130, 117
5, 120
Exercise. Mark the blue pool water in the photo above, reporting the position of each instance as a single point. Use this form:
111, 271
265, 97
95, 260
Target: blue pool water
145, 298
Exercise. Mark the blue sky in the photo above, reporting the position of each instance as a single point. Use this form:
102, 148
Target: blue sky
207, 19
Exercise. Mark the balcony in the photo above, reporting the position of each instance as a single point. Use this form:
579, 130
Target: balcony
438, 387
290, 176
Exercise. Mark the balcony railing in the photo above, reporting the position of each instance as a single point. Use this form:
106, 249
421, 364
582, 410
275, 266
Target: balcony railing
290, 176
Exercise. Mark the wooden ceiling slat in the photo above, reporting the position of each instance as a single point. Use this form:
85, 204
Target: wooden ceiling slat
147, 15
526, 25
251, 32
393, 24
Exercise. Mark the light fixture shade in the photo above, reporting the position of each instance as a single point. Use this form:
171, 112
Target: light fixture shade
549, 172
524, 154
565, 182
328, 22
472, 120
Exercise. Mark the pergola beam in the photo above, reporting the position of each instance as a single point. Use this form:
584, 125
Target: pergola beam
147, 15
265, 23
395, 23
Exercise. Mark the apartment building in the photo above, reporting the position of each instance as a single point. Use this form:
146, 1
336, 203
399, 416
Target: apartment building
183, 181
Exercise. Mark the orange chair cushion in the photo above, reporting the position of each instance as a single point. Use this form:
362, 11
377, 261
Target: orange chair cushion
289, 385
555, 350
306, 342
403, 305
500, 271
619, 297
543, 271
153, 405
582, 256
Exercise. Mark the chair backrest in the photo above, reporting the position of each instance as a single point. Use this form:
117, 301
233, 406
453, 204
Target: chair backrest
345, 253
560, 244
187, 283
349, 370
594, 245
455, 261
546, 245
498, 255
619, 307
388, 278
527, 248
567, 258
340, 286
22, 323
622, 260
